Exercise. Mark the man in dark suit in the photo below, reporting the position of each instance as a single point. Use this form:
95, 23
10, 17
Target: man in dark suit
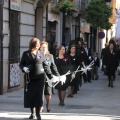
87, 59
103, 53
52, 48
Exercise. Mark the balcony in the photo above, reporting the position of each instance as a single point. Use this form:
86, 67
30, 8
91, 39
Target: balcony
80, 4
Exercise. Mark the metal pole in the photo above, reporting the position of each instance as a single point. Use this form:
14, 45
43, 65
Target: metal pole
1, 46
106, 36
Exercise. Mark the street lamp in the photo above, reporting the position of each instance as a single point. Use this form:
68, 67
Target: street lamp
1, 46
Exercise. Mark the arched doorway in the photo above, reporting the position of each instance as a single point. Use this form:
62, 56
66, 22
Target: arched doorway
41, 18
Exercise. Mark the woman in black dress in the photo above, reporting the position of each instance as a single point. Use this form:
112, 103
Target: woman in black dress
74, 59
50, 61
62, 62
111, 62
34, 65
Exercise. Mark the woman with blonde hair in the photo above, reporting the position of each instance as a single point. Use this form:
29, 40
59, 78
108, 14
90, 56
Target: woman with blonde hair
50, 61
33, 64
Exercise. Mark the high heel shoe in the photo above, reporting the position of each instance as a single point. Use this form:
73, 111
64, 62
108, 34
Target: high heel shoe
48, 110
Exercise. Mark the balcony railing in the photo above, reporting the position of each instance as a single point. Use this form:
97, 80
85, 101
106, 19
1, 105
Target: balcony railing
80, 4
54, 2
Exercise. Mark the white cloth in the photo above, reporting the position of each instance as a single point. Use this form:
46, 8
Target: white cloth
26, 69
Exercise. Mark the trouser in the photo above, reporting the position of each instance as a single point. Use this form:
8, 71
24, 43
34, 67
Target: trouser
96, 72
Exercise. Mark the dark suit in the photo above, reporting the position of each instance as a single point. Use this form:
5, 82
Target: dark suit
36, 78
87, 61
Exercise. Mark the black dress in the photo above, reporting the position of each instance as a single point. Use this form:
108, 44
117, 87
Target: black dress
33, 96
111, 62
50, 61
63, 66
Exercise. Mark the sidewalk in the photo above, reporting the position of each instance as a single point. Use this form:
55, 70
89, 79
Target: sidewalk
94, 101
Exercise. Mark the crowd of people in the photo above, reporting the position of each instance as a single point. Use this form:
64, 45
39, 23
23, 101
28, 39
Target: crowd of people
40, 63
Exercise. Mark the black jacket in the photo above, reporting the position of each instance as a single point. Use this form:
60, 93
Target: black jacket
37, 64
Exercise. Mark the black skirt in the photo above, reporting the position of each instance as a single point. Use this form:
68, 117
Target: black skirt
34, 96
48, 89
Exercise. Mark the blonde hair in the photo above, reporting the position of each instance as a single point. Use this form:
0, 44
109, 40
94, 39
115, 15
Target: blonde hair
43, 42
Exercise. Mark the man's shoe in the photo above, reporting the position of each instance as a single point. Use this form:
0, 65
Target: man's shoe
108, 85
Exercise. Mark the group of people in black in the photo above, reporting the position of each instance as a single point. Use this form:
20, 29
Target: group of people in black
39, 66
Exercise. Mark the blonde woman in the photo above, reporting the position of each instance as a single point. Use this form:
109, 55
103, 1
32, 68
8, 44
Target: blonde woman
50, 61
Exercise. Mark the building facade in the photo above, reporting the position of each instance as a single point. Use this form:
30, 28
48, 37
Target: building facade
22, 20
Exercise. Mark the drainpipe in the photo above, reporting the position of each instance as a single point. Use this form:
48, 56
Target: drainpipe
1, 46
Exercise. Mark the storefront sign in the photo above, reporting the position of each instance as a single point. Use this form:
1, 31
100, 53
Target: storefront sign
15, 5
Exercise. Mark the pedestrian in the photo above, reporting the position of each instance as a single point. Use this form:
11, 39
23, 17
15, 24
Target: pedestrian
111, 62
87, 59
53, 51
103, 53
62, 62
75, 60
96, 64
53, 48
34, 66
50, 61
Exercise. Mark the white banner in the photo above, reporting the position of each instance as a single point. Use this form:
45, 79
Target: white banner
15, 5
14, 75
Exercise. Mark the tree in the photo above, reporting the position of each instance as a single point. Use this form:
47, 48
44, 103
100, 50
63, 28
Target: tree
98, 14
65, 5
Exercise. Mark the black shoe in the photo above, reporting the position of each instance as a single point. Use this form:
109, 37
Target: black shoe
48, 110
38, 117
89, 81
111, 86
63, 104
32, 116
108, 85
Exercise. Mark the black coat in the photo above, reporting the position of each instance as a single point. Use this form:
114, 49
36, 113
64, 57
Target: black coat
103, 54
96, 61
111, 62
63, 66
36, 77
84, 55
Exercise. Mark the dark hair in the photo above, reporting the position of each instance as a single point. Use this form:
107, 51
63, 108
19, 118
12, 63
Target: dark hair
73, 45
33, 43
59, 48
112, 42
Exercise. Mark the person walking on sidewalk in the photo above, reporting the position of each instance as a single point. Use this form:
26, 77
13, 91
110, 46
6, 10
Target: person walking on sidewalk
34, 65
50, 61
111, 62
96, 65
62, 62
103, 53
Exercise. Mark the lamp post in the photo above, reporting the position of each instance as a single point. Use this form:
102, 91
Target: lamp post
1, 46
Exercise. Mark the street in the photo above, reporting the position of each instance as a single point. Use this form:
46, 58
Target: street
94, 101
